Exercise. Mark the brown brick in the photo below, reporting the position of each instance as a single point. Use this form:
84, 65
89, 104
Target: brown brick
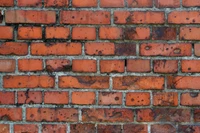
82, 128
159, 128
165, 66
165, 99
140, 3
135, 128
58, 128
164, 33
7, 65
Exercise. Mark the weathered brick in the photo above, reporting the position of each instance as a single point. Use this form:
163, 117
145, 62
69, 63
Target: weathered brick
110, 98
29, 97
58, 128
30, 65
165, 66
138, 65
29, 33
6, 3
56, 3
164, 33
83, 98
125, 49
110, 3
4, 128
112, 66
110, 33
165, 99
84, 3
7, 65
159, 128
23, 128
189, 33
10, 114
138, 33
188, 128
196, 116
190, 99
57, 33
197, 49
55, 97
191, 3
84, 33
82, 128
86, 65
137, 99
140, 3
167, 3
135, 128
57, 65
14, 48
108, 128
7, 97
190, 65
29, 3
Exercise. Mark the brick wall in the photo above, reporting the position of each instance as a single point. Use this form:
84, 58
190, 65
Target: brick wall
99, 66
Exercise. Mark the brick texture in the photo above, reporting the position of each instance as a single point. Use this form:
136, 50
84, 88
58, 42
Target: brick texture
99, 66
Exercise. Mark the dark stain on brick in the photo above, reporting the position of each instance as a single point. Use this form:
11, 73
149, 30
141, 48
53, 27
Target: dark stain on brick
86, 80
130, 34
125, 49
193, 94
164, 33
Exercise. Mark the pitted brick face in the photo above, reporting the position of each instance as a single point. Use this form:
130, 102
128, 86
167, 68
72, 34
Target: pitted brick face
99, 66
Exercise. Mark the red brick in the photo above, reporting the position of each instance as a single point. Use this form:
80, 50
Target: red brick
140, 3
28, 81
84, 17
184, 82
139, 17
159, 128
190, 3
28, 33
144, 115
112, 66
27, 97
84, 65
4, 128
29, 3
30, 16
197, 49
109, 128
57, 33
52, 114
164, 33
110, 98
196, 116
165, 66
83, 98
82, 128
7, 34
138, 83
190, 99
58, 128
84, 82
56, 97
135, 128
84, 3
7, 65
56, 49
138, 33
57, 65
98, 48
189, 33
159, 49
184, 17
110, 3
26, 128
190, 65
137, 65
107, 115
7, 97
30, 65
165, 99
167, 3
137, 99
56, 3
110, 33
6, 3
10, 114
125, 49
84, 33
189, 128
14, 48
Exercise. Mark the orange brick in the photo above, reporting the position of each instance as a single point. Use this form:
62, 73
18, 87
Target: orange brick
190, 3
57, 65
110, 98
83, 65
96, 48
184, 17
56, 3
197, 49
56, 49
159, 49
14, 48
58, 128
190, 99
84, 82
7, 32
7, 98
11, 114
165, 66
28, 33
139, 17
29, 3
144, 115
138, 33
30, 65
5, 128
84, 17
109, 66
29, 97
140, 3
28, 81
83, 98
84, 3
189, 33
6, 3
110, 3
30, 16
112, 33
83, 33
7, 65
137, 99
167, 3
190, 65
56, 97
137, 65
57, 33
29, 128
138, 83
165, 99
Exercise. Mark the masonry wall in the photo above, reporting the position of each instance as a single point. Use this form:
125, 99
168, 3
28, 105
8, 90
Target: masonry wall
99, 66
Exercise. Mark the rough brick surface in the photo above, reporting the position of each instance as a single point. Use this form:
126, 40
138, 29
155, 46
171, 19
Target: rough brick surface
99, 66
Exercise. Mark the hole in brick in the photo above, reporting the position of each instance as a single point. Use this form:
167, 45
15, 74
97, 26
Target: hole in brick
194, 94
177, 51
147, 47
132, 99
116, 98
189, 68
